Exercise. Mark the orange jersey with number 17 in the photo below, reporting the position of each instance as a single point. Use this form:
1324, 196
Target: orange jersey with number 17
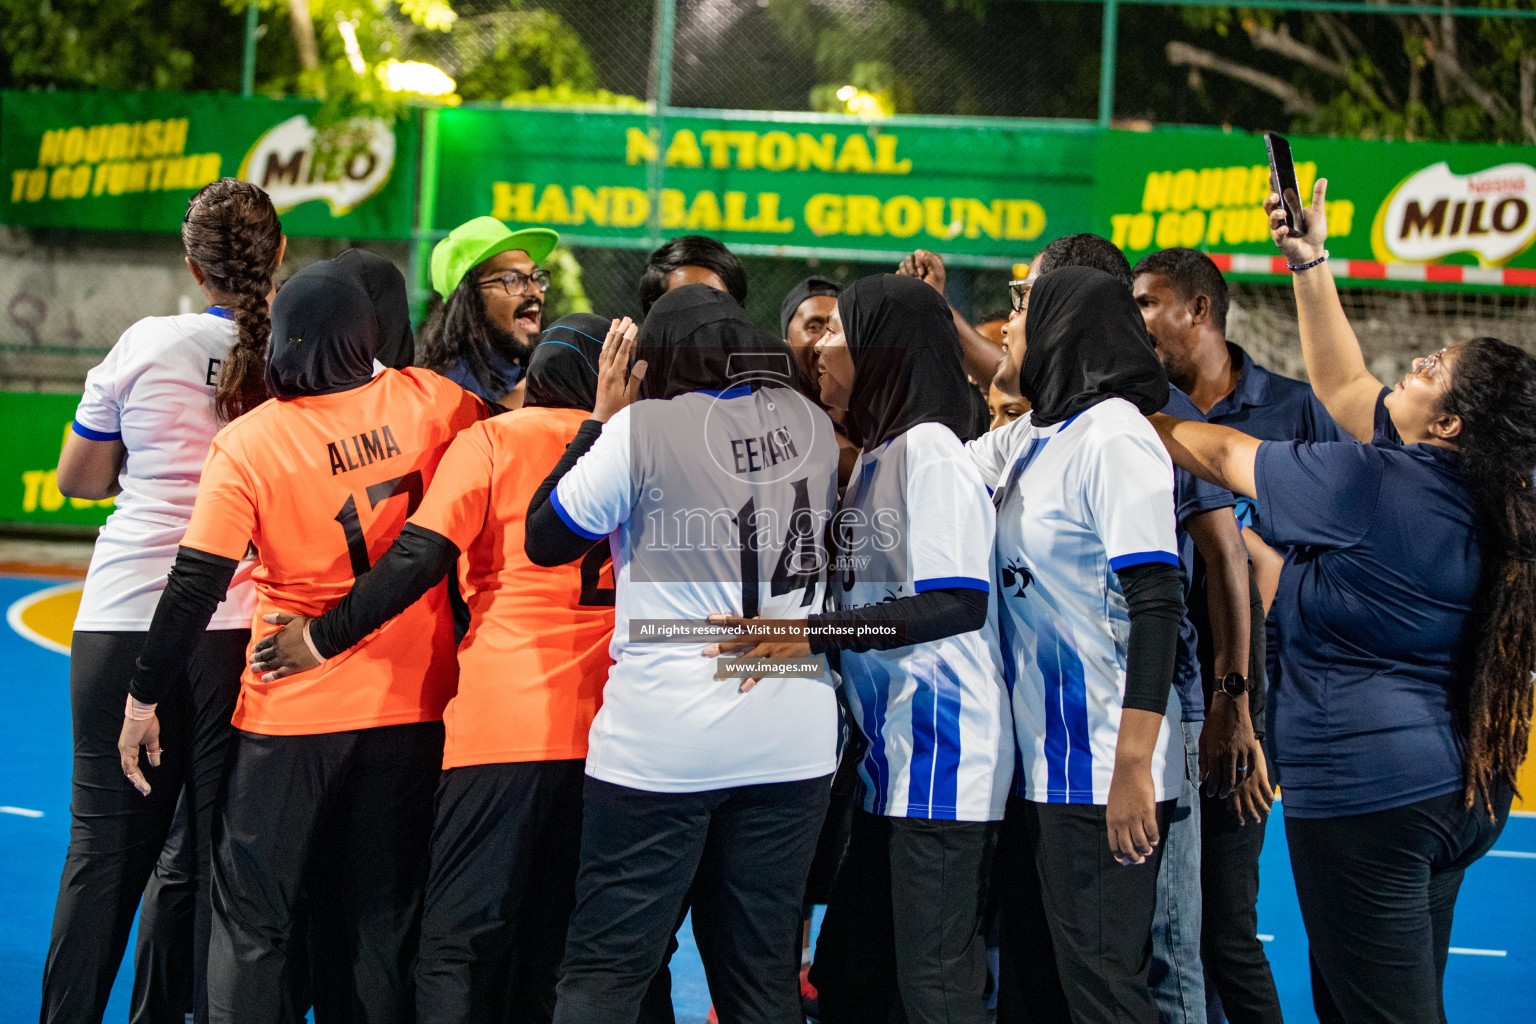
322, 485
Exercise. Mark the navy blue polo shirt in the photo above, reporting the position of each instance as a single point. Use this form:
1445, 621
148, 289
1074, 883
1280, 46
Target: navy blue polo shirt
1191, 497
1271, 407
1372, 604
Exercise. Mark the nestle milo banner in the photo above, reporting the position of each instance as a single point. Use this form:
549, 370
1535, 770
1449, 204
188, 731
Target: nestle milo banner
129, 161
771, 182
1398, 203
34, 427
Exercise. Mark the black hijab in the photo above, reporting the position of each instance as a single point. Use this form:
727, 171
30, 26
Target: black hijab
562, 372
324, 332
386, 287
906, 359
696, 338
1086, 342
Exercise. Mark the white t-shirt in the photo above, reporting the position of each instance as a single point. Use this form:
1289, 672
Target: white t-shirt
1075, 502
154, 391
670, 481
916, 517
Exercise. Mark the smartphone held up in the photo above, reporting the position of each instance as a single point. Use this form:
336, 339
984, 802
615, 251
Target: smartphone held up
1282, 175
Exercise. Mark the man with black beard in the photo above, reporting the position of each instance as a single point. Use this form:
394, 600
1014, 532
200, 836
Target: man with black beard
492, 309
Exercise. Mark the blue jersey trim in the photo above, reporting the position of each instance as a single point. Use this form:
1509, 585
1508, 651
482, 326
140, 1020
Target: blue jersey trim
1143, 558
739, 391
1068, 752
875, 771
220, 311
933, 785
569, 520
96, 435
946, 582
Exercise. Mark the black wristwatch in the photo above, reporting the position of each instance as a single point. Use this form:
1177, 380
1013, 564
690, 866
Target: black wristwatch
1234, 685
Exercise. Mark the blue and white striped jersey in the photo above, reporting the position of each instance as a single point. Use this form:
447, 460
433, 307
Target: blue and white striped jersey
1076, 501
916, 517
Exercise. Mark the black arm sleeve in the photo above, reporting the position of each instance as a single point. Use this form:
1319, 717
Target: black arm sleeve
413, 565
919, 619
1154, 595
546, 539
197, 583
1258, 671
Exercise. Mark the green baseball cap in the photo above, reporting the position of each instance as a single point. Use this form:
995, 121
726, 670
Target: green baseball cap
476, 241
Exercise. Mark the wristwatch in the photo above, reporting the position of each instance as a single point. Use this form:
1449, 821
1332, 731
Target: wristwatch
1234, 685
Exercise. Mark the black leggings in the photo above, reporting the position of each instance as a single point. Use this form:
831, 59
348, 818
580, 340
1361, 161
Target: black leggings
115, 834
339, 820
1377, 894
743, 852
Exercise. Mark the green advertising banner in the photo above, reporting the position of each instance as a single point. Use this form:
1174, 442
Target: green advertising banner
129, 161
982, 192
1401, 210
34, 427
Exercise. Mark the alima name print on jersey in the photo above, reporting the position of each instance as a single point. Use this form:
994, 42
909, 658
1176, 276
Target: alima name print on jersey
362, 449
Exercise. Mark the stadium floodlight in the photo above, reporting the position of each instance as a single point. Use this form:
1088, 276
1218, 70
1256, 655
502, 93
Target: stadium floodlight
418, 77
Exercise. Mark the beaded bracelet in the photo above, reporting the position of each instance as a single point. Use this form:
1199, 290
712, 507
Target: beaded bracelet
1308, 266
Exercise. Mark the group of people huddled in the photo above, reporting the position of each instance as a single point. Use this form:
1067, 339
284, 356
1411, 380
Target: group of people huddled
445, 692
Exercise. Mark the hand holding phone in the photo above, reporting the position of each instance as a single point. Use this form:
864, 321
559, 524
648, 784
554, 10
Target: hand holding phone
1299, 231
1282, 175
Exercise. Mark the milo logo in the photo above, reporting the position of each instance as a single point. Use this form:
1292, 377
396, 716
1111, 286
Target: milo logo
342, 165
1435, 213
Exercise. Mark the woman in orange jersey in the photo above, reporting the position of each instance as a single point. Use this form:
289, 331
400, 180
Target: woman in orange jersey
330, 778
531, 674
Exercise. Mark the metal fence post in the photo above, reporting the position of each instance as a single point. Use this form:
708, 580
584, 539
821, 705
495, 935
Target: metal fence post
1107, 62
661, 102
248, 64
423, 231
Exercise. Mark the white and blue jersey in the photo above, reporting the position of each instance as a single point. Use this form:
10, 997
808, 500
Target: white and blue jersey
1076, 501
676, 483
916, 517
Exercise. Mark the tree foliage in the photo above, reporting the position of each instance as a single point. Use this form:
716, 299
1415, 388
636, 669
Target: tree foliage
118, 44
1419, 76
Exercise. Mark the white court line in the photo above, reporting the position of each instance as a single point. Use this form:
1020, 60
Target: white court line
25, 812
1265, 938
1522, 814
1465, 951
14, 612
1521, 854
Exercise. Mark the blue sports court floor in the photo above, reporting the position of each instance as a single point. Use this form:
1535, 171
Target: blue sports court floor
1489, 978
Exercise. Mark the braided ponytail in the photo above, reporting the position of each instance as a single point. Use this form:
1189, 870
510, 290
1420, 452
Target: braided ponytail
232, 233
1493, 390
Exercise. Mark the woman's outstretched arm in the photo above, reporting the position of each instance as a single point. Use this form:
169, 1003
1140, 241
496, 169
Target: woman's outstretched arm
1335, 365
1221, 455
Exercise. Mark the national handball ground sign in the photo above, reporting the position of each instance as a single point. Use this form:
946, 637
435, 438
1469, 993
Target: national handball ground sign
799, 184
129, 161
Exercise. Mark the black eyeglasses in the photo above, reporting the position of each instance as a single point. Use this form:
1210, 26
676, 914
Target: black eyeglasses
516, 283
1018, 295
